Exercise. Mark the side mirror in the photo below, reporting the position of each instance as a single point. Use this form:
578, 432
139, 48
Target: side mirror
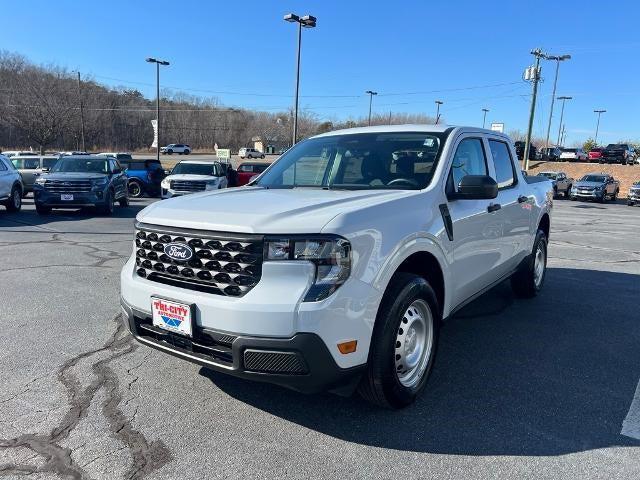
116, 171
45, 169
476, 187
167, 172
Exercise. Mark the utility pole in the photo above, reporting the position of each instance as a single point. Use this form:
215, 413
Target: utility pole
563, 135
484, 117
371, 94
389, 117
158, 63
534, 76
599, 112
558, 59
81, 114
438, 103
561, 115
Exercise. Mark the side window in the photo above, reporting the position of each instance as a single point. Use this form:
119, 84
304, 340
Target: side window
31, 163
469, 159
3, 167
17, 162
505, 176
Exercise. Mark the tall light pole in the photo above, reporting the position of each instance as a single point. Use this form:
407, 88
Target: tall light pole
438, 103
558, 59
158, 63
534, 76
371, 94
599, 112
561, 116
484, 116
84, 149
308, 21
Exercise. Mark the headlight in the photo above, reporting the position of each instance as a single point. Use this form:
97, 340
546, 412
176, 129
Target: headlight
330, 255
100, 181
165, 184
40, 181
211, 184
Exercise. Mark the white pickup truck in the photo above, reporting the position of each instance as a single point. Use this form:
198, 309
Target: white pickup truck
334, 269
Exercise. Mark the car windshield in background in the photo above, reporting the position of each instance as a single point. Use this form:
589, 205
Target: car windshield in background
196, 169
612, 146
570, 150
359, 161
81, 165
550, 175
593, 178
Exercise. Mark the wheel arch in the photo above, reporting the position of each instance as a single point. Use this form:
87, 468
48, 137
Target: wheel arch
545, 224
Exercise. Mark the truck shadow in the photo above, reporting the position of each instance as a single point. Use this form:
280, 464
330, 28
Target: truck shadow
548, 376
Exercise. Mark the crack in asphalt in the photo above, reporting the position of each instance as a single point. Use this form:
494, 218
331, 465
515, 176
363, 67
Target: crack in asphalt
147, 456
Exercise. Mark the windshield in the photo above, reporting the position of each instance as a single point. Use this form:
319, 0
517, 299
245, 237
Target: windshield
91, 165
550, 175
612, 146
210, 169
570, 150
388, 160
593, 178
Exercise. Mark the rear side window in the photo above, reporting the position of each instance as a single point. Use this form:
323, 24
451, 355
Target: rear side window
152, 164
245, 168
468, 160
505, 175
3, 167
31, 163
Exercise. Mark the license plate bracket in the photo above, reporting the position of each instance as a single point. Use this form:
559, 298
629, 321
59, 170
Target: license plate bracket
173, 316
66, 197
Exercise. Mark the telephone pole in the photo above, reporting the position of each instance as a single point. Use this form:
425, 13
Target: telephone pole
371, 94
438, 103
484, 117
81, 114
561, 116
533, 74
558, 59
599, 112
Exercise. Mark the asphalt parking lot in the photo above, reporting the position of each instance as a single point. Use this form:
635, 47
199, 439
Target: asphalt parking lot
545, 388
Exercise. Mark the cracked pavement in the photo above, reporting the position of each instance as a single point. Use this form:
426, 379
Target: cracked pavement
520, 389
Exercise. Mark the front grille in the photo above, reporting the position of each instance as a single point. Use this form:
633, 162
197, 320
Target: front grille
290, 363
187, 186
222, 263
67, 186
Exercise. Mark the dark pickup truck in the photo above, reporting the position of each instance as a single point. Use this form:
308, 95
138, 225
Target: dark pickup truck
533, 153
618, 153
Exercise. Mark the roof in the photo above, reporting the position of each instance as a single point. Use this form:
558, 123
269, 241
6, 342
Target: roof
440, 128
202, 161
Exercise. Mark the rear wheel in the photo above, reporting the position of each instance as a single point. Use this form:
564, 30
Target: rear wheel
187, 152
403, 345
169, 151
528, 280
135, 189
567, 192
14, 202
249, 156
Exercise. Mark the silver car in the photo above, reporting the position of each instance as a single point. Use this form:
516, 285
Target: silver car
32, 167
11, 187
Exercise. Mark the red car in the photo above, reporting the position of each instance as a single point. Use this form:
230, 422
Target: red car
249, 169
596, 154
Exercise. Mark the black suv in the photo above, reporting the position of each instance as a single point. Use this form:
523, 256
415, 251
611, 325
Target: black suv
551, 154
77, 181
619, 153
533, 154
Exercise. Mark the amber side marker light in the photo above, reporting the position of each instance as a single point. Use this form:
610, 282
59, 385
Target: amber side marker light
348, 347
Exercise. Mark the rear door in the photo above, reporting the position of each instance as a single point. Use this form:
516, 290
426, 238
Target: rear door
6, 180
29, 170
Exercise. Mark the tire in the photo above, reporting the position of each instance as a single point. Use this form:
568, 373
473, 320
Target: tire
169, 152
14, 202
187, 152
529, 279
603, 198
135, 189
124, 201
42, 210
555, 192
249, 156
567, 192
409, 310
108, 207
262, 156
630, 203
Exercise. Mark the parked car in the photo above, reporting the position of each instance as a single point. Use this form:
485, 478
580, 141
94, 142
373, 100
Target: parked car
551, 154
11, 188
77, 181
248, 170
595, 154
533, 151
573, 155
22, 153
191, 176
145, 177
619, 153
250, 153
31, 167
634, 194
596, 186
561, 183
120, 156
178, 148
336, 270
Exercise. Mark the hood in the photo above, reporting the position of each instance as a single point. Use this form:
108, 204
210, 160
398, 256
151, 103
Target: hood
258, 210
190, 177
73, 176
588, 184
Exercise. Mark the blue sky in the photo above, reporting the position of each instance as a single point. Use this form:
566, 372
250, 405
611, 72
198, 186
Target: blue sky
412, 52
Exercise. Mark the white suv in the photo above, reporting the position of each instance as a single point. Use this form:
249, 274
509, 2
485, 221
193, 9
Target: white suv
11, 187
190, 176
176, 148
250, 153
336, 267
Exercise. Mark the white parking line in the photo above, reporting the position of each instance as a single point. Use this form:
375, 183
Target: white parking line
631, 424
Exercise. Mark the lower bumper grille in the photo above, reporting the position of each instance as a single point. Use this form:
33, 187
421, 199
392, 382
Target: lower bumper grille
290, 363
187, 186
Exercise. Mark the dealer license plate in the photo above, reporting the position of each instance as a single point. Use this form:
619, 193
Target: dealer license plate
66, 196
173, 316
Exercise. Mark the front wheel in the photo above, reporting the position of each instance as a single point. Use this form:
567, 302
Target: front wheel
135, 189
567, 192
403, 345
14, 203
528, 280
187, 152
124, 201
108, 207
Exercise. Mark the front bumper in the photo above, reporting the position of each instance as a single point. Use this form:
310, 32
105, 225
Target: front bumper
587, 195
634, 196
84, 199
301, 362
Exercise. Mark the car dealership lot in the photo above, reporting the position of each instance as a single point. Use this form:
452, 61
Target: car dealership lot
539, 389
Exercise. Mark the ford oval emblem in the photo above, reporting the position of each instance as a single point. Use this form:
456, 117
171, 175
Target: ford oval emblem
178, 251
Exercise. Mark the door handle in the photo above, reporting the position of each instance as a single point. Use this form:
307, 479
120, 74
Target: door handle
522, 199
493, 207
